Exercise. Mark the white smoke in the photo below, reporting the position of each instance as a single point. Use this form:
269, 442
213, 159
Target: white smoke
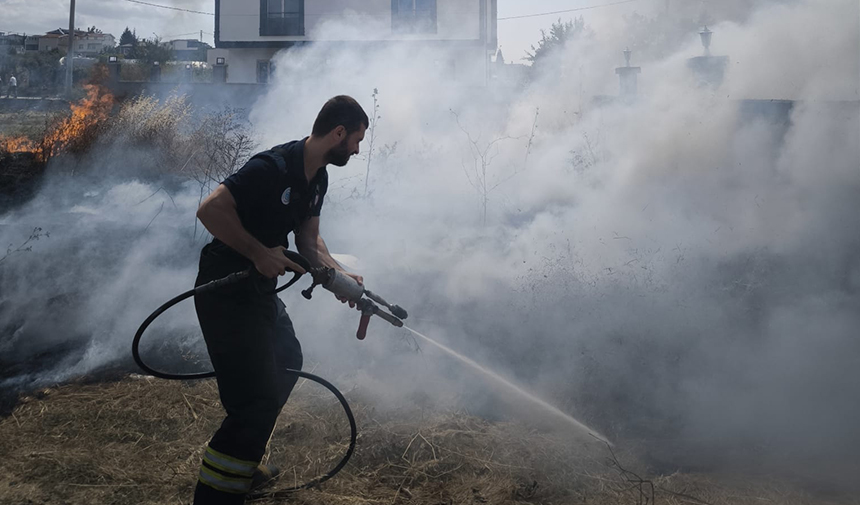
684, 266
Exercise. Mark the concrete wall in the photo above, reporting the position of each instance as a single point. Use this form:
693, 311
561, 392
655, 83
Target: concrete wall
203, 94
241, 63
467, 66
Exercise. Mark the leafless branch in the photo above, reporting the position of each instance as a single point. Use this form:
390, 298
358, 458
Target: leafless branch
35, 235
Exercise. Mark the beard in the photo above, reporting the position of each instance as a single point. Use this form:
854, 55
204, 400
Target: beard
339, 155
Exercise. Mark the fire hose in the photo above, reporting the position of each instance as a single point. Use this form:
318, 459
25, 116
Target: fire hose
330, 279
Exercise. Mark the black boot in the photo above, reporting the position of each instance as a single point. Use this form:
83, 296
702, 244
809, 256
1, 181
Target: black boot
206, 495
263, 475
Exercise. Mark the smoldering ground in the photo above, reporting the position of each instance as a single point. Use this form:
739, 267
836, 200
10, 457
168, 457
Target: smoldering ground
681, 271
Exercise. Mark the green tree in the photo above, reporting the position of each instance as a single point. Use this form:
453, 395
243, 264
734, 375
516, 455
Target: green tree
559, 34
128, 37
150, 51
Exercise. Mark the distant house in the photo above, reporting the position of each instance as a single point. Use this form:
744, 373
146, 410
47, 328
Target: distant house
51, 40
508, 75
86, 43
248, 33
19, 42
189, 49
31, 43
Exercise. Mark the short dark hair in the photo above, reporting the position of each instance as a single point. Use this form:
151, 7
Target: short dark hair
343, 111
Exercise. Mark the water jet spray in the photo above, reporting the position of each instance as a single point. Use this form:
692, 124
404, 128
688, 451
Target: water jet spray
546, 406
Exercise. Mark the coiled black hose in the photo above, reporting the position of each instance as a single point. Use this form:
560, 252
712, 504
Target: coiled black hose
217, 284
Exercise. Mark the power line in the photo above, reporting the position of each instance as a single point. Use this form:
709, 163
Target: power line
169, 7
562, 12
197, 32
189, 33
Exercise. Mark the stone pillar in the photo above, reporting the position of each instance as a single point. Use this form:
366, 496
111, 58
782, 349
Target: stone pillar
219, 70
155, 72
114, 69
710, 70
628, 76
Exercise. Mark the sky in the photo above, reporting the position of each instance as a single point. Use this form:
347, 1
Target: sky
112, 16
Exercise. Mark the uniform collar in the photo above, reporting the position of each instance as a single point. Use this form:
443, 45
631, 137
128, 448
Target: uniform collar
295, 162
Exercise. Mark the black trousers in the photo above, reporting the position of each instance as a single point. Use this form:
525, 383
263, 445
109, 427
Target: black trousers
251, 343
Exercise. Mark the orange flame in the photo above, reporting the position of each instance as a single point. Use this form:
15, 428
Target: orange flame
16, 144
74, 133
81, 127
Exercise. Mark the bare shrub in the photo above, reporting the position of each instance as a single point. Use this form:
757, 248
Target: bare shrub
205, 147
150, 122
222, 143
483, 153
27, 245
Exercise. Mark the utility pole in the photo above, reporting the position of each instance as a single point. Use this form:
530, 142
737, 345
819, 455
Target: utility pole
70, 54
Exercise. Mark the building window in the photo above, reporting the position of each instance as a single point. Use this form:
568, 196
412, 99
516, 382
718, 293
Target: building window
413, 16
282, 17
265, 69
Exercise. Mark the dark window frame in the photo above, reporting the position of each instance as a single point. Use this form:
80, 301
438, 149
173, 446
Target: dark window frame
411, 21
270, 26
265, 69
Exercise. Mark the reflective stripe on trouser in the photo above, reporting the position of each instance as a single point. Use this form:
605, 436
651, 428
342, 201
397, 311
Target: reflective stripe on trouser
215, 479
229, 464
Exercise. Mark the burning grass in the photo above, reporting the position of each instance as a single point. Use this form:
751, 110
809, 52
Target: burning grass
73, 133
77, 132
167, 137
24, 156
139, 441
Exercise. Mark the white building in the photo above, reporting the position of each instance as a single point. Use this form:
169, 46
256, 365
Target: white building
92, 44
85, 43
248, 33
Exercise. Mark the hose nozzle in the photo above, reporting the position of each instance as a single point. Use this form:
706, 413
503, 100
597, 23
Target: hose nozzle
346, 288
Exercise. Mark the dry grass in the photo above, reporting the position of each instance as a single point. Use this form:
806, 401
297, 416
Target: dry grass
27, 123
139, 441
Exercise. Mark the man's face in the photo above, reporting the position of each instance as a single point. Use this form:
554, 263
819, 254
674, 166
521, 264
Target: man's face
340, 154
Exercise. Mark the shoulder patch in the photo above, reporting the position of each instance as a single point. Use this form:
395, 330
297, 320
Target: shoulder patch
285, 198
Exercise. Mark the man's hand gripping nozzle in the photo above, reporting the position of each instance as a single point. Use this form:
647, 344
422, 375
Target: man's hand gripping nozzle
346, 288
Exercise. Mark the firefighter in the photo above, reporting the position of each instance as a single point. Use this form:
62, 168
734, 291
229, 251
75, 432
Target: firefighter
249, 336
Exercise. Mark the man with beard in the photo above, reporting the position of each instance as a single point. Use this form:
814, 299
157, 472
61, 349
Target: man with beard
249, 336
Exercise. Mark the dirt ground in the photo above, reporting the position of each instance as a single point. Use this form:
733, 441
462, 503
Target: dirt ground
139, 441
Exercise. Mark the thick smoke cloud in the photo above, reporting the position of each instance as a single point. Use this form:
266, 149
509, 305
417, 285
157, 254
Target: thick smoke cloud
682, 269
